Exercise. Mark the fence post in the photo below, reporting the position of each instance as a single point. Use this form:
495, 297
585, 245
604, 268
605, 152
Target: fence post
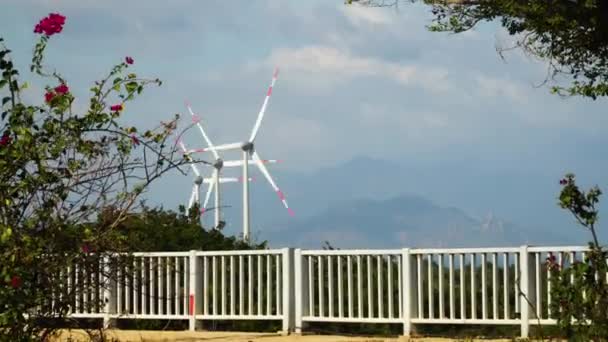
110, 287
288, 290
527, 286
300, 289
195, 300
408, 295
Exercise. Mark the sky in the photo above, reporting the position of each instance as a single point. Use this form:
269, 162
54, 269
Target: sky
353, 82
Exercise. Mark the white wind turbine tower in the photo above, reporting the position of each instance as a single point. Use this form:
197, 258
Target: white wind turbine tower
249, 151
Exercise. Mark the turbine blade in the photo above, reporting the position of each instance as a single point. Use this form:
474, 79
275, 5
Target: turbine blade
232, 163
194, 168
200, 128
238, 163
258, 121
266, 174
222, 180
224, 147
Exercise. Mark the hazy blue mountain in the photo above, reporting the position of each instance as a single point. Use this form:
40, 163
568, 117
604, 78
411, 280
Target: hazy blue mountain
362, 203
404, 221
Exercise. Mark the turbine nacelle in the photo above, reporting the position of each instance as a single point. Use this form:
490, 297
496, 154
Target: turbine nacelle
247, 147
218, 164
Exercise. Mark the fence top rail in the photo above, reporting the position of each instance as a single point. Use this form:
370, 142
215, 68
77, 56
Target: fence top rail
476, 250
355, 252
158, 254
241, 252
559, 249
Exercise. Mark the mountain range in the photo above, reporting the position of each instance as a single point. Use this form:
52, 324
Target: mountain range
372, 203
404, 221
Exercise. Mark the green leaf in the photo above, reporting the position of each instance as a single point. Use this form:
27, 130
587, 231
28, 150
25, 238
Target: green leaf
3, 83
6, 234
131, 86
5, 100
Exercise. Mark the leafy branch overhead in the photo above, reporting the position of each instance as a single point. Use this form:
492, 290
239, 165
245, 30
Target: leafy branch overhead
572, 36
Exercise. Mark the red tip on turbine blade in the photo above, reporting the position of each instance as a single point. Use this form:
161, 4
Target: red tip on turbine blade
291, 213
275, 74
281, 195
195, 118
269, 91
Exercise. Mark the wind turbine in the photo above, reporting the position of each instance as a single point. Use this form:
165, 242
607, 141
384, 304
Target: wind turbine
218, 165
250, 155
211, 181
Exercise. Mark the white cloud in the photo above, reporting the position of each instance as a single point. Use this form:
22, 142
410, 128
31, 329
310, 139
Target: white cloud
500, 87
360, 15
320, 67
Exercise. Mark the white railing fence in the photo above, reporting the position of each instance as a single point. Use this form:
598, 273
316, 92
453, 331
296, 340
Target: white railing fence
482, 286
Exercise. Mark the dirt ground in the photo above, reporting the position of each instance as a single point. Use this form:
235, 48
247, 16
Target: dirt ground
186, 336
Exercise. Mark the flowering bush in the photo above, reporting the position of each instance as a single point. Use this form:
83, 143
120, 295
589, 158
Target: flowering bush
59, 170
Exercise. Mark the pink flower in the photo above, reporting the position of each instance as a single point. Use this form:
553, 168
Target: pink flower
116, 108
50, 25
5, 140
62, 89
49, 96
129, 60
134, 140
16, 282
86, 248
